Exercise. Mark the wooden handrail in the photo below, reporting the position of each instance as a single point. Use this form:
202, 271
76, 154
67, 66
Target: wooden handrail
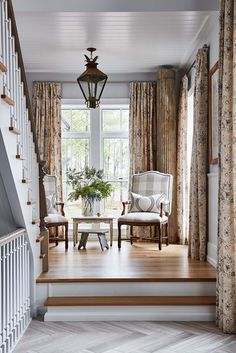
23, 75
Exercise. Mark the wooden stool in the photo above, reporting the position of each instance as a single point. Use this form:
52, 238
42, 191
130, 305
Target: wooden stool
101, 237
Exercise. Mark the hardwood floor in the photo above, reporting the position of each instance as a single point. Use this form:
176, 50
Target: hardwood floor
125, 337
140, 262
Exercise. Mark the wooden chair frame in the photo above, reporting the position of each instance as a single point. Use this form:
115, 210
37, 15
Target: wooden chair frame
56, 225
162, 227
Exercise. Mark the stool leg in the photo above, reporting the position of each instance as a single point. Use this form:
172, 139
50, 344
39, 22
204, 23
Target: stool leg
66, 236
100, 241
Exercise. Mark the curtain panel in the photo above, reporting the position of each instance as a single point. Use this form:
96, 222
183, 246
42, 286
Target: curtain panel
141, 124
226, 280
141, 120
182, 171
47, 115
199, 161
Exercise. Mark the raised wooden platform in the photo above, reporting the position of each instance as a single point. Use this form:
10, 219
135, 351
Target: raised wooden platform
140, 262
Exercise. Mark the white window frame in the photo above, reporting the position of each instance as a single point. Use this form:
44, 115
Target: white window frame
96, 140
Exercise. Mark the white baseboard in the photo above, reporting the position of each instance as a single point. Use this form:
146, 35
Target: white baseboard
212, 261
132, 313
212, 254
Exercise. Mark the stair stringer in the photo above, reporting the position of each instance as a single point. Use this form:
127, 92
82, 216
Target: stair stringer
11, 170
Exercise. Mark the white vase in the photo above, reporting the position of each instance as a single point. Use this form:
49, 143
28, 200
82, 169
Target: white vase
88, 206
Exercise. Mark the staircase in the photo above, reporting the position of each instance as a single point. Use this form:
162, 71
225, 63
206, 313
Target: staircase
127, 301
21, 176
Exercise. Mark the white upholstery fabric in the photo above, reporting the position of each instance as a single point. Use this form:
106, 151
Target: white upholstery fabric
55, 218
153, 182
150, 203
142, 217
50, 182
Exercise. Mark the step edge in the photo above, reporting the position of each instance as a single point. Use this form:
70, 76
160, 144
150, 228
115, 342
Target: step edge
125, 301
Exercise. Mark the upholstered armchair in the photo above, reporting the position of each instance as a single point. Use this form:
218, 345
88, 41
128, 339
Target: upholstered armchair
150, 205
56, 216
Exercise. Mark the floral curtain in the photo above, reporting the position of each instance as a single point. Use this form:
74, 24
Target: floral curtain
226, 281
141, 124
182, 168
199, 161
47, 115
142, 117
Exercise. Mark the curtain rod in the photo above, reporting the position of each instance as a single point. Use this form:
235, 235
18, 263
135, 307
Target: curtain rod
190, 68
65, 81
192, 65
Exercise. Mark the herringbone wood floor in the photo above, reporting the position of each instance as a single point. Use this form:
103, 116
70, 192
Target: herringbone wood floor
125, 337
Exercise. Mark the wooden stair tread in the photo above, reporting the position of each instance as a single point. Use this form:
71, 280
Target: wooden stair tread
14, 130
29, 203
39, 238
3, 68
7, 99
20, 156
35, 221
130, 300
54, 279
26, 181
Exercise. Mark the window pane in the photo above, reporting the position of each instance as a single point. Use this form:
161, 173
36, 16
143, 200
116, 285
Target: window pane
113, 204
75, 154
115, 120
75, 120
72, 208
125, 120
116, 160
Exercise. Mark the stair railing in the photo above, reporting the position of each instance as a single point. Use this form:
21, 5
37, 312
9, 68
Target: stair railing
16, 95
15, 288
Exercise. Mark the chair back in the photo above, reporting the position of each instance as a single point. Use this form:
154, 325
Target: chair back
153, 182
50, 186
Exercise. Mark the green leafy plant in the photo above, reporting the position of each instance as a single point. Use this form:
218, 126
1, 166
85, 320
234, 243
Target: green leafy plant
88, 183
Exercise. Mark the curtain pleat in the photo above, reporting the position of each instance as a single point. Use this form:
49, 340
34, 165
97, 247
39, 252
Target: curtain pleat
141, 124
182, 171
199, 161
47, 115
226, 277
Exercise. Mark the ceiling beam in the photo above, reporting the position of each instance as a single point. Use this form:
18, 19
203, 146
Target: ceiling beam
114, 5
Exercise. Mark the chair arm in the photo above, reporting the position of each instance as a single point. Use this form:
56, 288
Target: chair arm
124, 204
163, 205
58, 203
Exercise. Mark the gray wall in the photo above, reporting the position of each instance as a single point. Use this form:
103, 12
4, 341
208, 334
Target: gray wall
7, 224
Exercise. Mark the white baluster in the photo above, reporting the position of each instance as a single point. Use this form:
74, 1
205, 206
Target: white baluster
3, 32
1, 39
1, 299
7, 87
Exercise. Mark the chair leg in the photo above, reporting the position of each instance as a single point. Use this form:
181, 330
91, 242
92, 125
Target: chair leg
131, 235
167, 234
160, 236
66, 236
119, 235
56, 230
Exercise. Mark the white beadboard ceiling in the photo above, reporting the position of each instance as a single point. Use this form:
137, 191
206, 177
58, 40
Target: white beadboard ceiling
126, 42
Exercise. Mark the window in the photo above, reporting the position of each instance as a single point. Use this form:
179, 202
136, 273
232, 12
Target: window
75, 149
115, 126
97, 138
